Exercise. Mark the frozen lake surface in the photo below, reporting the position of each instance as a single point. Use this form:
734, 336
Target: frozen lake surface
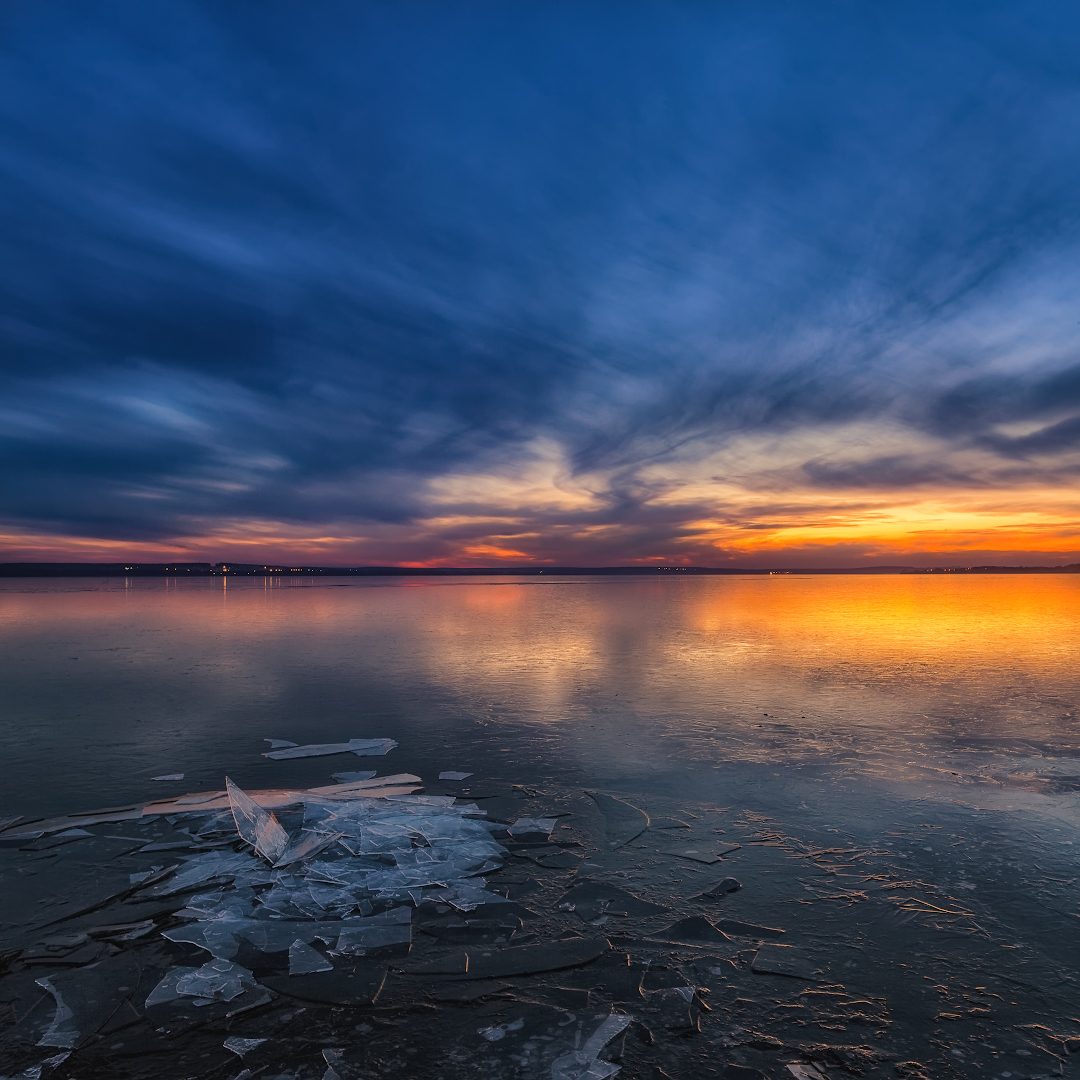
893, 763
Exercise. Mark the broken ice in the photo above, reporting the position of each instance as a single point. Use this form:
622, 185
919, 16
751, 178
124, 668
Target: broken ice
584, 1064
360, 747
257, 826
454, 775
169, 776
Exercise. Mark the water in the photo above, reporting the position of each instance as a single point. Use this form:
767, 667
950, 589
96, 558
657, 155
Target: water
898, 758
106, 683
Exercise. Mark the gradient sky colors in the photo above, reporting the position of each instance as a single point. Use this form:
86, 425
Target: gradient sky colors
741, 284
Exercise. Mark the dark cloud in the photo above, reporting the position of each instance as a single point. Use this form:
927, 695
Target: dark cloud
273, 263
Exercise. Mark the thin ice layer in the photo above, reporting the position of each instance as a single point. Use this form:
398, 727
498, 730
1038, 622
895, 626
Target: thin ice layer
304, 960
584, 1064
166, 989
61, 1032
532, 825
257, 826
359, 747
216, 980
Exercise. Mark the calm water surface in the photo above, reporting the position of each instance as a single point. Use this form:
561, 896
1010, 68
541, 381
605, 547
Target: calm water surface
931, 682
890, 765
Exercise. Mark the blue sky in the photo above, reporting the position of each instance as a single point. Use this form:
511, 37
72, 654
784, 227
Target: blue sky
726, 284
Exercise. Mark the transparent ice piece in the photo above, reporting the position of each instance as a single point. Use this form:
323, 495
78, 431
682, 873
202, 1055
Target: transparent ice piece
387, 928
217, 980
532, 825
257, 826
494, 1034
166, 989
454, 775
351, 777
305, 845
34, 1072
583, 1064
214, 864
360, 747
62, 1032
217, 938
169, 776
278, 744
360, 939
336, 900
303, 959
241, 1046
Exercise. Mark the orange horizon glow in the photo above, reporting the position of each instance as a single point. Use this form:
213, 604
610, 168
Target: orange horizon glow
547, 517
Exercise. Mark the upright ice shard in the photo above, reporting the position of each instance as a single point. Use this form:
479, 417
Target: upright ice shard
257, 826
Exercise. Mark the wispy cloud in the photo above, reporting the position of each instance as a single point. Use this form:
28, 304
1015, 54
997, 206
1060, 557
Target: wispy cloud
433, 285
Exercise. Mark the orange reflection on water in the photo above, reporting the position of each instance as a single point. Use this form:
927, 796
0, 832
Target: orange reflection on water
922, 613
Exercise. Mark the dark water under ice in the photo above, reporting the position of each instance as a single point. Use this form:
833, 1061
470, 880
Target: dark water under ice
898, 758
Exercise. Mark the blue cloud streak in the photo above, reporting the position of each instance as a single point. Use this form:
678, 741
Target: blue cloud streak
279, 263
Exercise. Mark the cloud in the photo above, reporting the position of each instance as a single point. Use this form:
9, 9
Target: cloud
385, 284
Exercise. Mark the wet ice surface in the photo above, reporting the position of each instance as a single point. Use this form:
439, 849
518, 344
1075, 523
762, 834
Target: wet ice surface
927, 934
781, 845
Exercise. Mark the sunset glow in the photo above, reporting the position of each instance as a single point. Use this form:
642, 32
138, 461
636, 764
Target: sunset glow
762, 288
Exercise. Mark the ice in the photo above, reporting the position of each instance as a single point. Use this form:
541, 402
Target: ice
166, 989
306, 845
584, 1064
359, 747
241, 1046
727, 885
622, 821
304, 960
34, 1072
351, 777
257, 826
216, 980
494, 1034
361, 938
694, 928
532, 825
62, 1032
785, 960
454, 775
214, 864
169, 776
387, 928
278, 744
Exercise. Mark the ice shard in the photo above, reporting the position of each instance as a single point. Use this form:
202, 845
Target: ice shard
359, 747
304, 960
257, 826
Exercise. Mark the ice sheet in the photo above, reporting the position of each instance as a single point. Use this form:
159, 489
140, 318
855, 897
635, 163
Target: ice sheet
584, 1064
359, 747
304, 960
216, 980
61, 1032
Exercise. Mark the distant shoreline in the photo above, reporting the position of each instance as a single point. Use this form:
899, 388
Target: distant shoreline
198, 570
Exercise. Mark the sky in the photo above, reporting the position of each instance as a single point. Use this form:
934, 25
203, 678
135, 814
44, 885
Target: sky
739, 284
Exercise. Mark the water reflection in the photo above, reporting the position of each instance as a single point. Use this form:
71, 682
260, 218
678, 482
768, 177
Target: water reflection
110, 682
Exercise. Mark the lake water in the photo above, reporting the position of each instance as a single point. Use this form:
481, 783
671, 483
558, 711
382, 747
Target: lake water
890, 765
106, 683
